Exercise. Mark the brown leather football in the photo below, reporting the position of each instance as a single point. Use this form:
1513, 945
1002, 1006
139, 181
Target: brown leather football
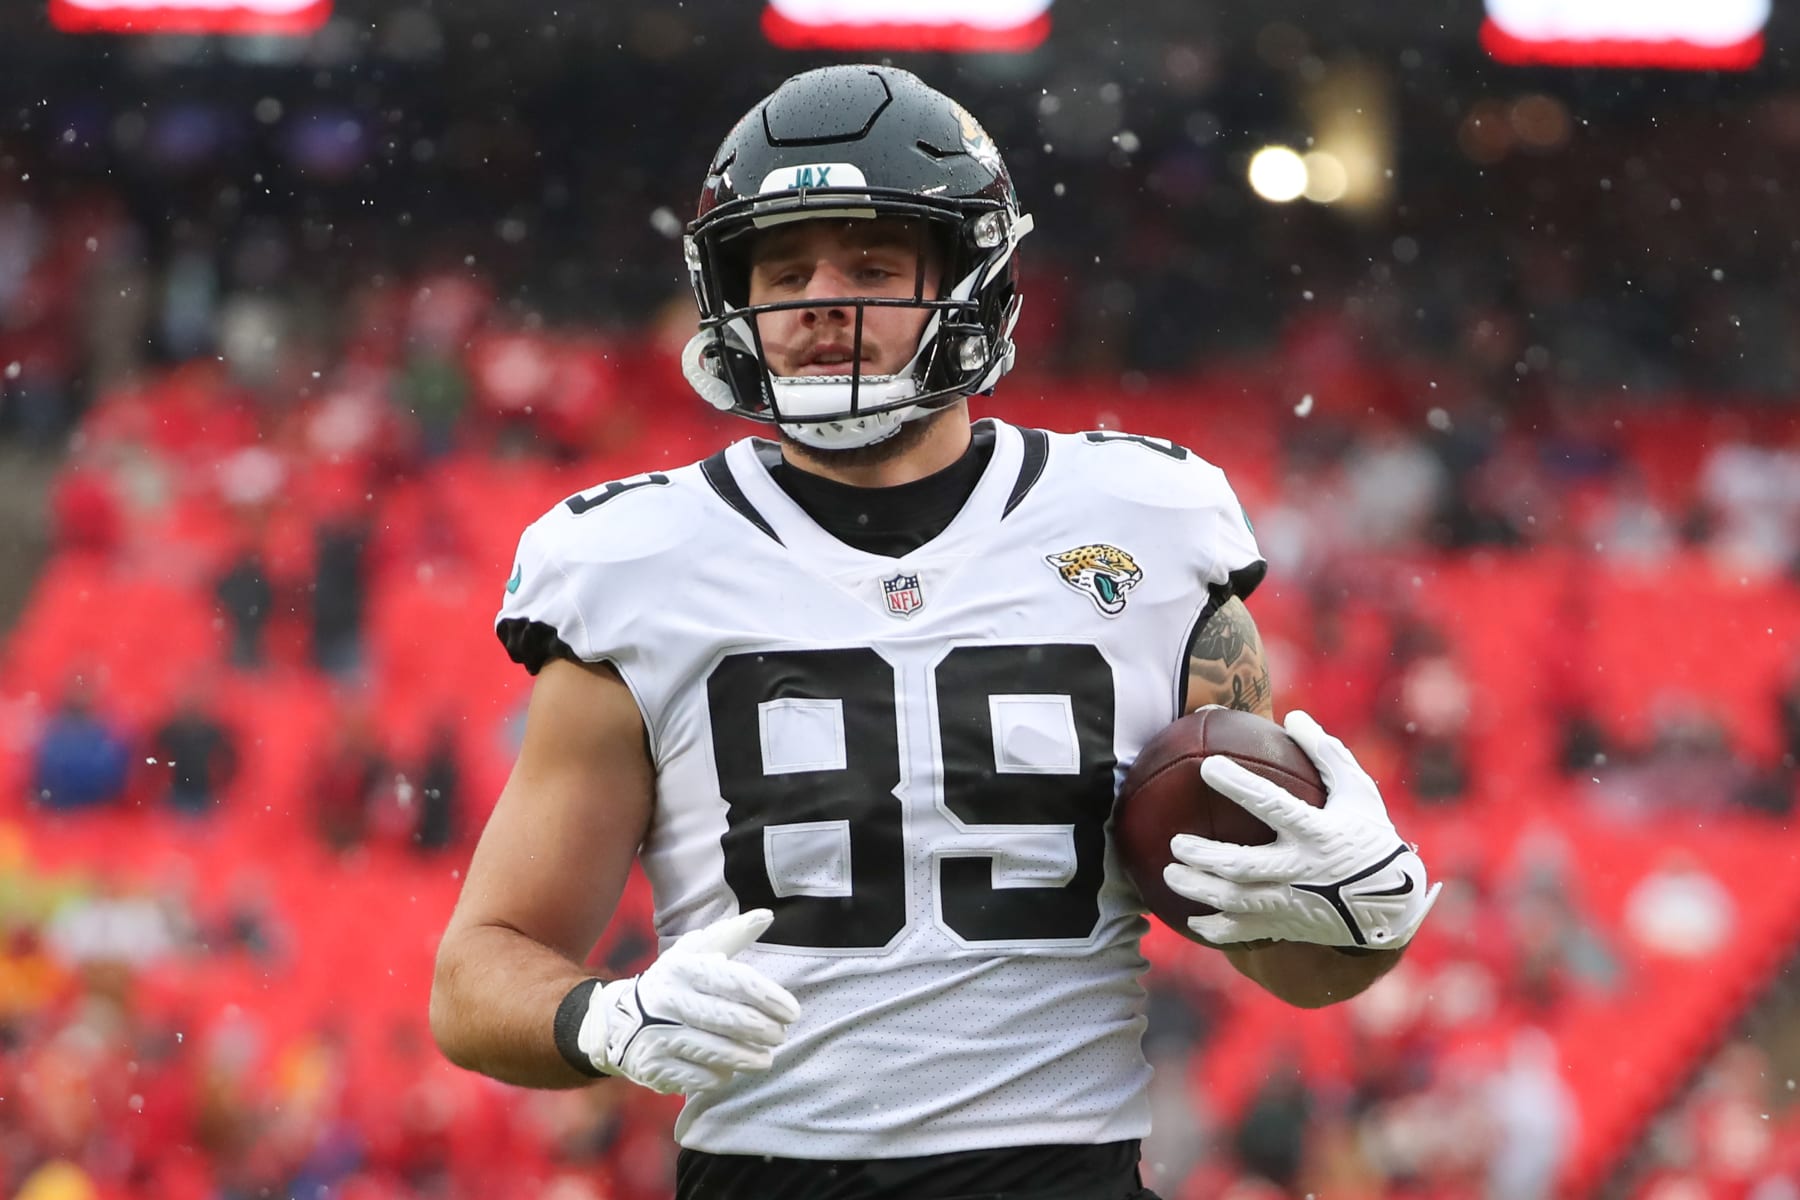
1164, 795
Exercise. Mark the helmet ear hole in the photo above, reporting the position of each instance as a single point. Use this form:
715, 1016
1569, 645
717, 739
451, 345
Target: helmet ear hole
972, 352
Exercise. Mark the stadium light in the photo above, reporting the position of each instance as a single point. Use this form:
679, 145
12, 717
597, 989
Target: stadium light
1277, 174
247, 17
953, 25
1326, 178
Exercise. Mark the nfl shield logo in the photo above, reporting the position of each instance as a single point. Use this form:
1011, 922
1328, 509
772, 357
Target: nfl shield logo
903, 595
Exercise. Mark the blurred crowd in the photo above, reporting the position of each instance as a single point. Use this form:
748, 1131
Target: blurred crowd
267, 405
261, 465
1608, 233
264, 485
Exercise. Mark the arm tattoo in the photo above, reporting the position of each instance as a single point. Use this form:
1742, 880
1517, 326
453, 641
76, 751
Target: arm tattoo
1226, 663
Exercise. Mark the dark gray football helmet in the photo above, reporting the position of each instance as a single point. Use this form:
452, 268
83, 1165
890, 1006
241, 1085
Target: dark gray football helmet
856, 142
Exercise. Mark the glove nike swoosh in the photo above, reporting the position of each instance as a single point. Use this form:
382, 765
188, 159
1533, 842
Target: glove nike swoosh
1338, 875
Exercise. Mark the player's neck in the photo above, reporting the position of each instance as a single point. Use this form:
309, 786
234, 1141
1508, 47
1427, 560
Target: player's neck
940, 445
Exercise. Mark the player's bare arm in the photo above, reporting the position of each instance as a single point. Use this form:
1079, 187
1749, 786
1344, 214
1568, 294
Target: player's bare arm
1227, 665
545, 877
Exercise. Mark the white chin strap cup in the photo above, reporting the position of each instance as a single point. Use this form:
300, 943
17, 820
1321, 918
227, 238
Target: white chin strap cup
801, 396
804, 395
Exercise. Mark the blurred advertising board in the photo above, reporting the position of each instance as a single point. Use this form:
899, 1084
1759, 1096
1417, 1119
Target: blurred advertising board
252, 17
942, 25
1706, 35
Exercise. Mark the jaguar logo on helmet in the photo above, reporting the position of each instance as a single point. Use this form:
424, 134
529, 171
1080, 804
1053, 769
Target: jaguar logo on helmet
975, 139
857, 142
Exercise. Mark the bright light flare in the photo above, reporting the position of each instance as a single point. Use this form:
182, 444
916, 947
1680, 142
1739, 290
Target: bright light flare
1326, 178
1277, 174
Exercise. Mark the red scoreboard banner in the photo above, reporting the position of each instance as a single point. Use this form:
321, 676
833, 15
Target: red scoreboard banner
189, 16
1694, 34
953, 25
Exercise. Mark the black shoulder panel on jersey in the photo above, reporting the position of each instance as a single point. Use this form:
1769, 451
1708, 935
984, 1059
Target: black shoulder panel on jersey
1243, 581
1031, 468
718, 474
531, 644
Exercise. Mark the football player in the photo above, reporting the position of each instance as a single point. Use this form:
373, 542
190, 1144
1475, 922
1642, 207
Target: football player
858, 696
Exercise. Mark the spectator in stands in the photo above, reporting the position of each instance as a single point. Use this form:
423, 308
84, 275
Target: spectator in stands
1680, 909
1775, 788
1534, 1118
1556, 944
199, 753
434, 384
1689, 765
251, 921
1770, 790
113, 926
1434, 707
1788, 703
245, 595
435, 390
188, 298
440, 791
58, 1179
1721, 1141
1630, 525
350, 780
85, 512
1395, 486
339, 596
82, 758
1754, 494
1582, 744
1424, 704
1270, 1140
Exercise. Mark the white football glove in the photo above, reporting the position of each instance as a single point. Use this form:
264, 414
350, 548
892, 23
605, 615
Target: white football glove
694, 1018
1336, 876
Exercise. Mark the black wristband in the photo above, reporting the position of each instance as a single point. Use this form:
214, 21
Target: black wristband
567, 1027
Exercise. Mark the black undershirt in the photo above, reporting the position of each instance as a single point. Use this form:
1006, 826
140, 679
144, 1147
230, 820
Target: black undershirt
890, 521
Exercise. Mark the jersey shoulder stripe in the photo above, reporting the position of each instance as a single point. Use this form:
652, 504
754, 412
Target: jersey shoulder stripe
1031, 469
717, 473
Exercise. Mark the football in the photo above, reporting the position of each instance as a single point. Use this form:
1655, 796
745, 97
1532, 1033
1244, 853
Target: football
1164, 795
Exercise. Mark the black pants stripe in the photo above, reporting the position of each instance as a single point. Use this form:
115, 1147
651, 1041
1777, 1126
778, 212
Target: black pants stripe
1057, 1172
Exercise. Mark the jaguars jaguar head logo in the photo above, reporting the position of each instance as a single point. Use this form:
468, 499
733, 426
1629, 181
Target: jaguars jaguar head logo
1102, 573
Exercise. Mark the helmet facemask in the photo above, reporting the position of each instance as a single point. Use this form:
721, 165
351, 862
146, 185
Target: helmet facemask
964, 347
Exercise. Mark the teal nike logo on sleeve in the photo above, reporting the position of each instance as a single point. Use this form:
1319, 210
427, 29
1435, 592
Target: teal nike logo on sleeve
518, 577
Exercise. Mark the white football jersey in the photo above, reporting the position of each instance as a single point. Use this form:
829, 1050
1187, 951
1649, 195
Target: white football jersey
913, 762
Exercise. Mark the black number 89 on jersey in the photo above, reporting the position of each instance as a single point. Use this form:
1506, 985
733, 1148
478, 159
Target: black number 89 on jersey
861, 794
